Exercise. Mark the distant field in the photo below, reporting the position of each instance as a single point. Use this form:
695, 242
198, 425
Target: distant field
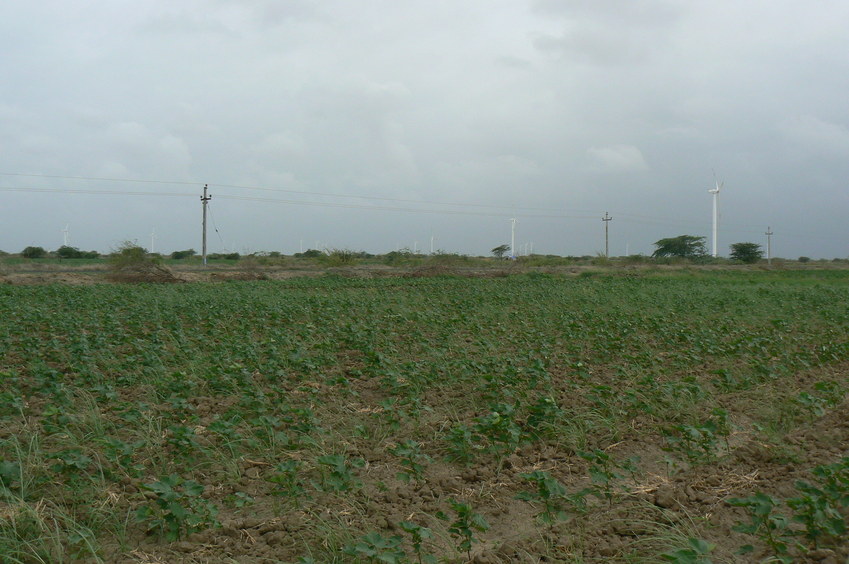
631, 416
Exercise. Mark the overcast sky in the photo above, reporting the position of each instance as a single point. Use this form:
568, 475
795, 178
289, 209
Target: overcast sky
383, 124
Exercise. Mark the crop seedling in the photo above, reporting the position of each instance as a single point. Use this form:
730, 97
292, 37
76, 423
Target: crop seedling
177, 508
695, 553
821, 507
770, 527
337, 473
699, 443
464, 525
500, 429
543, 416
605, 472
463, 443
287, 479
413, 460
553, 496
419, 534
374, 547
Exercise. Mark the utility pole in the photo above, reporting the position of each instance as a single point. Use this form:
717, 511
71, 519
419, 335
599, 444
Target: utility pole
204, 200
152, 239
606, 219
513, 238
768, 246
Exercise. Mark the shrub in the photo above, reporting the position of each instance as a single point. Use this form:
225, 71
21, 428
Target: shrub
34, 252
188, 253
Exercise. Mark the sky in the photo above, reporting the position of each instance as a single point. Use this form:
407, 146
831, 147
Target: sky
408, 124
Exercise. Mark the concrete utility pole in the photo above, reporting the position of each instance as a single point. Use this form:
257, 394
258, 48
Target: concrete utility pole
513, 238
768, 246
606, 219
204, 200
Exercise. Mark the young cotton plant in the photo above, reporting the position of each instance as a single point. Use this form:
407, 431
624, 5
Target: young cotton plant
464, 525
553, 496
177, 508
413, 460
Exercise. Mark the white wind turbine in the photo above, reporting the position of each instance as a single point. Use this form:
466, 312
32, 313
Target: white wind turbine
66, 235
715, 192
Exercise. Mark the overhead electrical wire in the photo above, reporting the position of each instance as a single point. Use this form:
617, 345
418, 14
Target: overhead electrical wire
624, 216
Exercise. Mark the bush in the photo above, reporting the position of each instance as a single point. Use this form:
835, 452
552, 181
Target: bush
804, 259
34, 252
188, 253
66, 252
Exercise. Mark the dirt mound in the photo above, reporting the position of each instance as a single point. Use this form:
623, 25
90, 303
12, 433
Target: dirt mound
246, 275
143, 273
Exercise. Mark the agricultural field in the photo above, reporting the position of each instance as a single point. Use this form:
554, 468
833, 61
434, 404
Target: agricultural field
623, 416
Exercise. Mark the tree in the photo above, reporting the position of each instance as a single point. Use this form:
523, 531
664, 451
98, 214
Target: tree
34, 252
746, 252
177, 255
500, 250
66, 252
684, 246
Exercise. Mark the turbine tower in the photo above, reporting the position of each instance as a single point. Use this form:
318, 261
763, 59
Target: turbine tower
715, 192
66, 234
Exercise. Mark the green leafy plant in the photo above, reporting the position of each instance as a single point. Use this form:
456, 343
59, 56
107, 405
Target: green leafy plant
553, 496
696, 552
606, 472
419, 535
374, 547
500, 429
464, 524
287, 480
821, 507
413, 460
178, 508
700, 442
337, 473
766, 524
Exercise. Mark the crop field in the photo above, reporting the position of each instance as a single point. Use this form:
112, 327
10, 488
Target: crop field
640, 416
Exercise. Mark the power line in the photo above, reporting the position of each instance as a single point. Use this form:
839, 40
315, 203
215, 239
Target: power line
281, 190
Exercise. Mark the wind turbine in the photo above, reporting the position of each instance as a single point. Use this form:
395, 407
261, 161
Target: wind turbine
715, 192
66, 234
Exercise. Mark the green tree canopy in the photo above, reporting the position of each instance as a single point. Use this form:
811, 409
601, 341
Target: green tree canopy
684, 246
500, 250
746, 252
183, 254
34, 252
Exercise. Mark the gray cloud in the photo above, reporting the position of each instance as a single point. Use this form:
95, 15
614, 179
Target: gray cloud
572, 108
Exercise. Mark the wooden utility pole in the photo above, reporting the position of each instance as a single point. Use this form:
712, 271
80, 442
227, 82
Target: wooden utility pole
204, 199
605, 219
